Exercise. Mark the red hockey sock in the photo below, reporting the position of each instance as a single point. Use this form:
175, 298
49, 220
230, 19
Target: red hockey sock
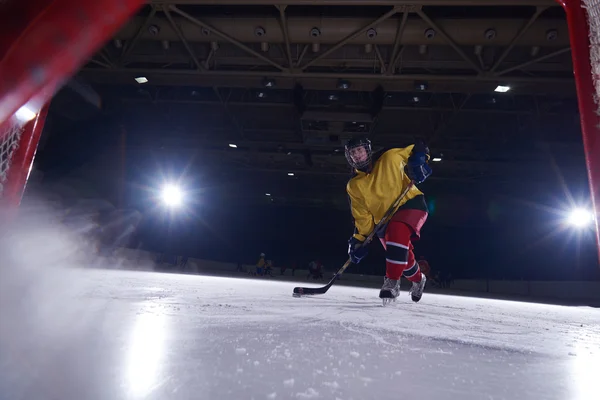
413, 273
398, 253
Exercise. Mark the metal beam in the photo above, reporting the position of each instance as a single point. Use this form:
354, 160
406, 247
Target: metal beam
365, 64
348, 38
105, 54
512, 43
404, 63
182, 38
328, 81
226, 37
362, 2
130, 44
246, 104
232, 117
464, 30
397, 42
327, 75
286, 36
210, 56
380, 58
100, 63
535, 60
450, 41
302, 54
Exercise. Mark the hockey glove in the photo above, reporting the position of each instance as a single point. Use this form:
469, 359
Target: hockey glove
417, 168
356, 250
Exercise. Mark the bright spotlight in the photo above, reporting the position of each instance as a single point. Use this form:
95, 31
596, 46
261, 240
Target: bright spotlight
580, 218
172, 195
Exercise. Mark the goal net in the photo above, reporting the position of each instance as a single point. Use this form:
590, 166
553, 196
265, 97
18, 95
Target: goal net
18, 141
9, 142
583, 17
42, 44
593, 14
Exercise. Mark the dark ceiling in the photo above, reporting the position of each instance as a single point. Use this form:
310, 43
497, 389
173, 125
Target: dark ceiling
288, 82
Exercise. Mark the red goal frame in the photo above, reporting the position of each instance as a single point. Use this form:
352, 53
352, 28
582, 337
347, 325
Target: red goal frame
59, 35
578, 20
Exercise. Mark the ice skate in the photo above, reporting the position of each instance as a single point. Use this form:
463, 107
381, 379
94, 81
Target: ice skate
389, 291
416, 291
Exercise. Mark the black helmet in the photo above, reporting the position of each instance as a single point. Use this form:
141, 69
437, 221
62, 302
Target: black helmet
355, 142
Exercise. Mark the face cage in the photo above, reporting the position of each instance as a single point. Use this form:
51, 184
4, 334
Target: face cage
362, 166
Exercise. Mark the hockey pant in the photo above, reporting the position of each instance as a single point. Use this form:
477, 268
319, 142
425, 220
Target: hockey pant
400, 260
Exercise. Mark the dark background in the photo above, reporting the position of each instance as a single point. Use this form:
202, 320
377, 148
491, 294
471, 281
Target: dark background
509, 231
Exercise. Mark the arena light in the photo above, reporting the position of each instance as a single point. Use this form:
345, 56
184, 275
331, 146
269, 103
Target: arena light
436, 159
580, 218
141, 79
502, 89
233, 145
171, 195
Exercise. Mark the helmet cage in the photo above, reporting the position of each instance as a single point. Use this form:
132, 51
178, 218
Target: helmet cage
354, 144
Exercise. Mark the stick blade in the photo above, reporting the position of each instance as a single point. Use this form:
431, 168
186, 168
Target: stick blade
303, 291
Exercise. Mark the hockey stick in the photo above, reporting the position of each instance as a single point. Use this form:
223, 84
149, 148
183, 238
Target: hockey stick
304, 291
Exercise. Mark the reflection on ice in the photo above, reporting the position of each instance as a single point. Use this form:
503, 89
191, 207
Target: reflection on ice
145, 354
585, 367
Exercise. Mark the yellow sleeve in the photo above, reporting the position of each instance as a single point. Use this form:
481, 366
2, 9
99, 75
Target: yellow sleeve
405, 153
363, 220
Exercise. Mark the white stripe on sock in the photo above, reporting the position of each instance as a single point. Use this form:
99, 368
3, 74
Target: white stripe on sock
397, 245
396, 262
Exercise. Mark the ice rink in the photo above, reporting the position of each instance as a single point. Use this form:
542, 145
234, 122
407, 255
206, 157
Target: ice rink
96, 334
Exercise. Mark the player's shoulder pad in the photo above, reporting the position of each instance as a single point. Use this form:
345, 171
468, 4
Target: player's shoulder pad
379, 153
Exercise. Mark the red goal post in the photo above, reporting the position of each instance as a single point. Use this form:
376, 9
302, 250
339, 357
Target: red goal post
42, 44
583, 17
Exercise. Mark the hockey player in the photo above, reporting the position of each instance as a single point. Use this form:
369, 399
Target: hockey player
269, 268
377, 181
260, 264
315, 270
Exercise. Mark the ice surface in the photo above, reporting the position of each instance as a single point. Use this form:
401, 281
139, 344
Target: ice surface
136, 335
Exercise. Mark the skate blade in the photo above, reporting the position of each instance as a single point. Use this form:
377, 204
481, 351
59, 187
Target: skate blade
387, 301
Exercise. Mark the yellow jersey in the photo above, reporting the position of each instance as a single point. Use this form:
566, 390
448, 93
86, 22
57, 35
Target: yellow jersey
372, 194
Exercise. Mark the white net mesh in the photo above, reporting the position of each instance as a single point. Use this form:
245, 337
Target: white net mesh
9, 142
593, 10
